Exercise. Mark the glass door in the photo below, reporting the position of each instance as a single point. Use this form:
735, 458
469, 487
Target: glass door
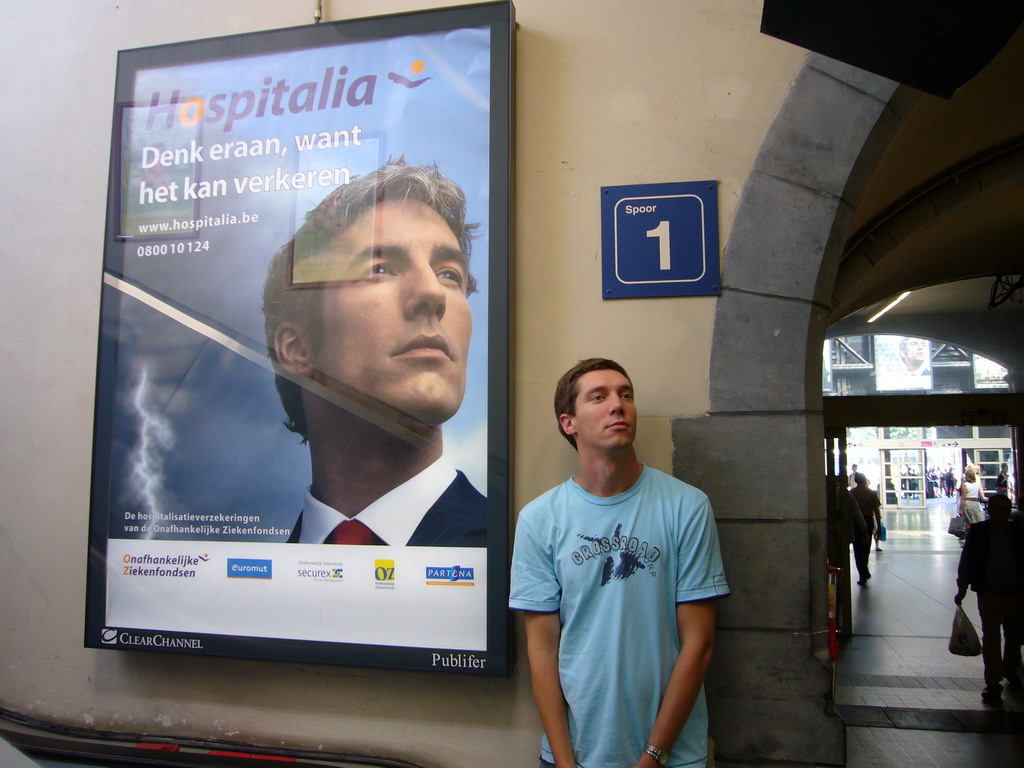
903, 475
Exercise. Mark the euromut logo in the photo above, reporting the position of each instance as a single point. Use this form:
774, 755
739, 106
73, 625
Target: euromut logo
239, 568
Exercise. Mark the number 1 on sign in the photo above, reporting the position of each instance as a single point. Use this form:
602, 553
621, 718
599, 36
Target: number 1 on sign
664, 244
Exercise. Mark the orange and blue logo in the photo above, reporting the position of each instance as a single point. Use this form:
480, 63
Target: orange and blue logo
450, 576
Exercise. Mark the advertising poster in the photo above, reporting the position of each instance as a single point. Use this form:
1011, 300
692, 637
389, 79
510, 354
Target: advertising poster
301, 443
988, 374
902, 363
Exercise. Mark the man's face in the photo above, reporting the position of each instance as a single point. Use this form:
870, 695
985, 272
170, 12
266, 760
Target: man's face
605, 418
398, 330
914, 353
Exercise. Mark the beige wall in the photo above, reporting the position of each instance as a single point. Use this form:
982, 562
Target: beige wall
609, 92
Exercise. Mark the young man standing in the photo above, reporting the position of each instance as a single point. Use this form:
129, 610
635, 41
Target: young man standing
618, 571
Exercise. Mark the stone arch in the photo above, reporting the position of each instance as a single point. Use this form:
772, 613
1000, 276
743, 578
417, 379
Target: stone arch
758, 451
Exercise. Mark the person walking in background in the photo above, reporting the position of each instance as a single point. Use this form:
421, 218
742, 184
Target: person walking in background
934, 483
971, 497
860, 537
949, 481
870, 507
992, 565
1003, 482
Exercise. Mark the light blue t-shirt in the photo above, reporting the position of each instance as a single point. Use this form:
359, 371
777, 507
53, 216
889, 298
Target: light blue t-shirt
614, 568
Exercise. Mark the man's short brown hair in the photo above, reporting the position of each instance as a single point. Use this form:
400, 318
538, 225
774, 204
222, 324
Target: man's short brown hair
566, 389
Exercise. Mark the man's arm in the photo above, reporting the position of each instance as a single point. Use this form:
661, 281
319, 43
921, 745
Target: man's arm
696, 622
963, 570
542, 636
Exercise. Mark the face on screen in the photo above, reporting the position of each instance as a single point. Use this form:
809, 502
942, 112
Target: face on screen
398, 326
914, 353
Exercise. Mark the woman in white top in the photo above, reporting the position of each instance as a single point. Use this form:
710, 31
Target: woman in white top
971, 497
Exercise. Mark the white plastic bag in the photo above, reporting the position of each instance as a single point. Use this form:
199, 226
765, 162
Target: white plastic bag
963, 641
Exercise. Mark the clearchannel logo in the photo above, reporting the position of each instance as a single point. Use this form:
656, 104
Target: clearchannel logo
120, 637
450, 576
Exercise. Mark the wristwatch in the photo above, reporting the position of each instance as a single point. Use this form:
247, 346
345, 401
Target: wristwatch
660, 755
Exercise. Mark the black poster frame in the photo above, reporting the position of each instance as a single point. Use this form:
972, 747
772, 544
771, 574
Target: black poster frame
161, 293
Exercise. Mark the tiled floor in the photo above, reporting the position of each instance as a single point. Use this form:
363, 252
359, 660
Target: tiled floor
906, 700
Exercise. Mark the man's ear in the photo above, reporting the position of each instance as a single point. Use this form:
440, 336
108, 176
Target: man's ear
566, 422
293, 348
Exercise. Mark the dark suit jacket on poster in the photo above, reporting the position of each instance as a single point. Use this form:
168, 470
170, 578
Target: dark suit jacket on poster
457, 519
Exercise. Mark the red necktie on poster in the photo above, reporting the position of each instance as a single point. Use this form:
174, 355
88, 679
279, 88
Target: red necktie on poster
352, 532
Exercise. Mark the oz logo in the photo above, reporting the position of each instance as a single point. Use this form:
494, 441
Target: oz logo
384, 570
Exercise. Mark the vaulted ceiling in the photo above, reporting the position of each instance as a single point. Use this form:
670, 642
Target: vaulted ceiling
942, 214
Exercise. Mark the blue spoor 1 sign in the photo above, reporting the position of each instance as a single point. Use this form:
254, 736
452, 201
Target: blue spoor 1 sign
660, 240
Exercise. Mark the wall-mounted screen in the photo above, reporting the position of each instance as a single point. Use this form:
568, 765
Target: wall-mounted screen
301, 434
902, 362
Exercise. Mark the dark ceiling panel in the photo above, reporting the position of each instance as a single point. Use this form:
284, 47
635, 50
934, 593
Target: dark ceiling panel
933, 45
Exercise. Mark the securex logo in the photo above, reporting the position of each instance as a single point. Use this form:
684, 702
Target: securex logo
450, 576
320, 570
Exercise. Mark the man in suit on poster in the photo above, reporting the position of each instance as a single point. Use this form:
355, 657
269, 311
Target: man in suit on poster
914, 354
368, 327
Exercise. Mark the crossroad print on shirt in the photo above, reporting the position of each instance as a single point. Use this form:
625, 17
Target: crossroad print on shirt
633, 555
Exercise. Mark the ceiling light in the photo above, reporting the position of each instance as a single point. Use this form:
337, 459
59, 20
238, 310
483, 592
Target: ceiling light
889, 306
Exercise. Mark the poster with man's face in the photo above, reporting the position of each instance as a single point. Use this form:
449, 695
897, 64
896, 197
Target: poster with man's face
902, 363
300, 451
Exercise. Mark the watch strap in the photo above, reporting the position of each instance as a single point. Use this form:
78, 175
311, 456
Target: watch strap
660, 755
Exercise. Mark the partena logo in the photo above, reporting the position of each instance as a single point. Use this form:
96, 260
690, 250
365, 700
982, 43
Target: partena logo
450, 576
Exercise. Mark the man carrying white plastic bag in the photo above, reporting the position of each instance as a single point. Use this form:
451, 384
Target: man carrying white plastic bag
992, 565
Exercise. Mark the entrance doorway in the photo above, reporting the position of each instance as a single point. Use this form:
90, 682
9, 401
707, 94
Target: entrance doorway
903, 476
894, 667
912, 469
